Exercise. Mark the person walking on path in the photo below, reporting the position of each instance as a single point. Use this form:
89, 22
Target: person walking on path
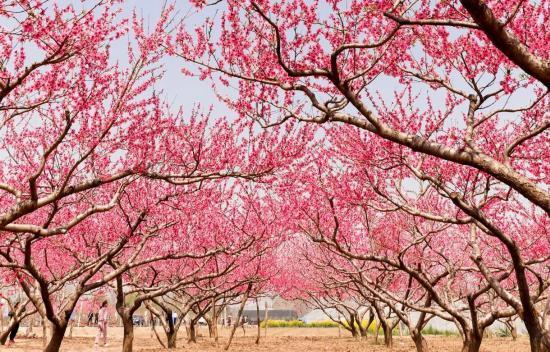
103, 318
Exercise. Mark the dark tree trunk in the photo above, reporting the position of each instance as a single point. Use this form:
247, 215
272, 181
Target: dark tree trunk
419, 341
192, 333
353, 327
6, 333
171, 332
369, 323
266, 319
171, 338
258, 322
128, 328
58, 332
386, 328
472, 341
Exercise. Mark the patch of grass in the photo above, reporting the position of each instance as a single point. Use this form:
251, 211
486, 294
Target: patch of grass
430, 330
371, 328
315, 324
298, 324
322, 324
503, 332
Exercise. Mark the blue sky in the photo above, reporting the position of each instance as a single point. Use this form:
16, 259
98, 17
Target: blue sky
185, 91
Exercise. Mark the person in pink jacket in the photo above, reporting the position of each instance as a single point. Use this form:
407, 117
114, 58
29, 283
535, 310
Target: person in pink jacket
103, 318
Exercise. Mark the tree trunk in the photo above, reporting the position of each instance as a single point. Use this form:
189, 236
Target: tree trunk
352, 328
365, 330
266, 319
58, 332
5, 333
471, 342
238, 321
537, 340
210, 324
128, 328
71, 325
258, 322
171, 338
419, 341
514, 333
30, 332
215, 315
388, 338
216, 334
192, 333
45, 332
511, 326
170, 331
545, 338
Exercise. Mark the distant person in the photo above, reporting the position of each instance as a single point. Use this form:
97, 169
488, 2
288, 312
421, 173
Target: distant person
244, 321
228, 322
90, 318
15, 328
103, 318
96, 316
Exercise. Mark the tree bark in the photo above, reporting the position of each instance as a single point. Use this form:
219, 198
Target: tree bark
388, 337
419, 341
71, 325
30, 332
238, 321
215, 315
386, 328
258, 322
192, 333
171, 332
210, 324
266, 319
507, 42
365, 331
58, 332
351, 327
5, 333
511, 326
128, 328
471, 342
171, 339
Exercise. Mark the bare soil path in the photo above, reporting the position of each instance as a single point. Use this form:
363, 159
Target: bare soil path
278, 340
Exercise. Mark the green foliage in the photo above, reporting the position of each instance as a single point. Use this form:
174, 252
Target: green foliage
298, 324
322, 324
283, 324
371, 328
430, 330
315, 324
503, 332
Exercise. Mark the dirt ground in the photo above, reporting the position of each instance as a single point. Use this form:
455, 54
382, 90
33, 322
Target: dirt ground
278, 340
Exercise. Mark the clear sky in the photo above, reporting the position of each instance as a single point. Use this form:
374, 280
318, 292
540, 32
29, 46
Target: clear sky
179, 90
187, 91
